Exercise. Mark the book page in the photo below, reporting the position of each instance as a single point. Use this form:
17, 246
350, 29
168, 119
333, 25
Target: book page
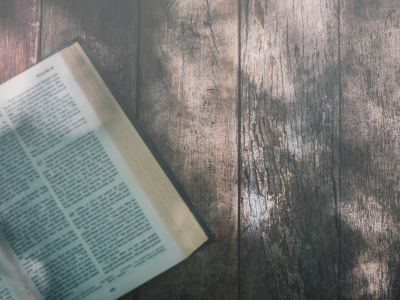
74, 220
11, 287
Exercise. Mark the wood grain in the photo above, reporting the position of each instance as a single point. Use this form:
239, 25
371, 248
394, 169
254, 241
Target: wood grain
289, 150
109, 27
188, 99
370, 174
314, 166
19, 36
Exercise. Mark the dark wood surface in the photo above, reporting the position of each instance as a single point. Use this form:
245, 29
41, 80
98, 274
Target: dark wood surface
19, 36
281, 119
289, 150
370, 161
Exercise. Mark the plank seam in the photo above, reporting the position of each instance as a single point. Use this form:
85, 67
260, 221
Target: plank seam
138, 60
239, 136
39, 42
340, 151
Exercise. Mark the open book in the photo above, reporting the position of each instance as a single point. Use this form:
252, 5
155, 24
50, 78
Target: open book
88, 207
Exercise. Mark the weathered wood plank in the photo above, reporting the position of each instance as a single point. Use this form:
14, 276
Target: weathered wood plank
370, 174
289, 149
111, 30
188, 99
109, 27
19, 36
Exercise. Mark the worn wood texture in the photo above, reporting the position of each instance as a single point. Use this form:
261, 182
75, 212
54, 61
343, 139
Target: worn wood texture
188, 83
319, 122
370, 161
289, 149
110, 27
19, 36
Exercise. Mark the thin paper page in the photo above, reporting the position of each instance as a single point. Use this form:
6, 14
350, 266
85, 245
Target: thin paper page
76, 222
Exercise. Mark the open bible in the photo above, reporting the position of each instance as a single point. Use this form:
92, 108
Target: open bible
88, 207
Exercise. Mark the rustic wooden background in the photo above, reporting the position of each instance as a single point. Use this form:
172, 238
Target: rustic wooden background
280, 118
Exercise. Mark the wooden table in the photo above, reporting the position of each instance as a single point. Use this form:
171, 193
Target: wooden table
280, 118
